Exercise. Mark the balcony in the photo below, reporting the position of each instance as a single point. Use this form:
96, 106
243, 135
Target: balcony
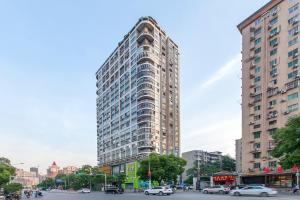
144, 57
145, 35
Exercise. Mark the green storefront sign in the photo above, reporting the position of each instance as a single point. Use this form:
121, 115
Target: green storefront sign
132, 180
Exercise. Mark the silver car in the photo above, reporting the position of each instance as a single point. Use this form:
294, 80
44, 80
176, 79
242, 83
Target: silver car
254, 191
160, 190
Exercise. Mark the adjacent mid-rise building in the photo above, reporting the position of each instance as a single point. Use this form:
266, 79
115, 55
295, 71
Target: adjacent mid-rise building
238, 155
138, 97
203, 157
270, 79
53, 170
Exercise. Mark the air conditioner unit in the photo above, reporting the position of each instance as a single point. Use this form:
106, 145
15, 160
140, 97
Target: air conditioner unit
282, 100
283, 91
286, 112
295, 55
275, 74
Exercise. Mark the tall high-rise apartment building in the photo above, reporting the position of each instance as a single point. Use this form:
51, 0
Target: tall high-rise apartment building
270, 79
138, 97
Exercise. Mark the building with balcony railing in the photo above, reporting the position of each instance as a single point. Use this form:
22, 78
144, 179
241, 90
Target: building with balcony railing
138, 97
270, 82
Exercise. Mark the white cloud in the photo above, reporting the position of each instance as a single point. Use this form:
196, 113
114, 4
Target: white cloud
232, 66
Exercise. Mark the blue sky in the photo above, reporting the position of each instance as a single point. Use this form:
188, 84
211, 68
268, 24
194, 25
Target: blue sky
50, 51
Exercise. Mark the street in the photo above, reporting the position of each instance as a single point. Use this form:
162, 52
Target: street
138, 196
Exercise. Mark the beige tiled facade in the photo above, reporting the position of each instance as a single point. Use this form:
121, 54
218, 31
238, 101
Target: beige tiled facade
138, 97
270, 78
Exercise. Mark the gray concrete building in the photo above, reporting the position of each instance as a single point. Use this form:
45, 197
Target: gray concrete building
138, 108
199, 155
238, 155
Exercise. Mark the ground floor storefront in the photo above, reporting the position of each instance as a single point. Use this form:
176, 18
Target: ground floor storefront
277, 180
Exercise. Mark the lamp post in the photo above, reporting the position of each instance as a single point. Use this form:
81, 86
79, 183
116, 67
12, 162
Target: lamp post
297, 177
149, 173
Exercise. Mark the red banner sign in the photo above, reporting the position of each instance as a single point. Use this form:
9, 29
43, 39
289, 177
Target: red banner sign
223, 178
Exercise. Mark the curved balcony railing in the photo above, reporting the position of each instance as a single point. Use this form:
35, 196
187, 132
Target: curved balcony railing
145, 35
145, 94
145, 56
146, 79
145, 67
145, 112
146, 104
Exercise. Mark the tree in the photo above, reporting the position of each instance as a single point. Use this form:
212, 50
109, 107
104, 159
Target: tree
12, 188
163, 168
6, 171
287, 143
208, 169
47, 183
228, 163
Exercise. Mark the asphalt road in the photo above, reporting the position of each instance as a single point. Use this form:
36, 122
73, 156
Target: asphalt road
139, 196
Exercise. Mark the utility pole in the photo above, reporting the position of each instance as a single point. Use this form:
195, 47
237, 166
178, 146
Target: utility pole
149, 173
198, 169
297, 177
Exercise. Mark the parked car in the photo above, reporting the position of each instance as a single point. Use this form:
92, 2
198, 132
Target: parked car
113, 190
254, 191
84, 190
160, 190
216, 189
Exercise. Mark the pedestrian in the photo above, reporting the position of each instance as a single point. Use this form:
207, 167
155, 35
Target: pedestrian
295, 189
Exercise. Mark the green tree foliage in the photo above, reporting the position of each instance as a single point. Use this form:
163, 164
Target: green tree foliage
12, 188
287, 143
6, 170
47, 183
163, 168
207, 169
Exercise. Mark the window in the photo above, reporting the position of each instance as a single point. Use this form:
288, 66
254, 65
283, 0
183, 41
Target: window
256, 108
273, 122
256, 155
257, 60
257, 22
256, 165
256, 134
293, 53
293, 31
274, 42
257, 41
292, 96
293, 107
273, 21
292, 84
256, 145
293, 41
258, 50
257, 69
274, 31
256, 79
273, 71
273, 62
257, 89
272, 164
293, 74
256, 117
293, 8
272, 131
272, 103
257, 31
273, 52
293, 19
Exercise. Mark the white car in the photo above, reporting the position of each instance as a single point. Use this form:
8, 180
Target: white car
216, 189
84, 190
254, 191
160, 190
